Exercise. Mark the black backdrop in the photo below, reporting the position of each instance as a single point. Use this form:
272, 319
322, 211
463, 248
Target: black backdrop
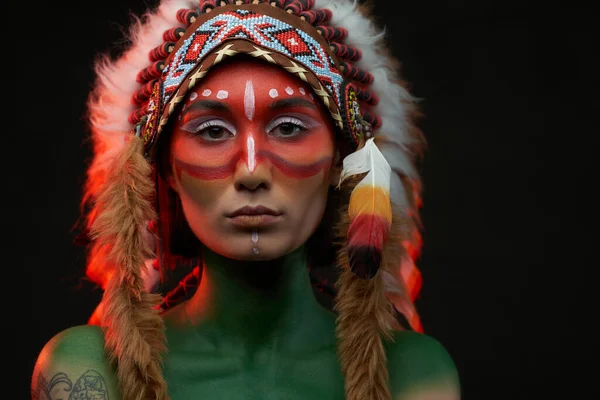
507, 89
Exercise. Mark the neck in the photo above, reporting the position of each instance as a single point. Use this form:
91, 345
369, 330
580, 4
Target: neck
254, 302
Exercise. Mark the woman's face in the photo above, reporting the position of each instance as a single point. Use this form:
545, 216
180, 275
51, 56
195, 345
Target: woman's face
251, 156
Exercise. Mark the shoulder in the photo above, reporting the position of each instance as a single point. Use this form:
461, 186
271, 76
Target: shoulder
420, 367
73, 363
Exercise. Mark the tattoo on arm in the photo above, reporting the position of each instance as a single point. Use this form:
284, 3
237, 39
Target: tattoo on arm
89, 386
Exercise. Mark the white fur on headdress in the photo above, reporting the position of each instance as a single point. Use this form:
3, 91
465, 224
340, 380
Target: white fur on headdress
110, 104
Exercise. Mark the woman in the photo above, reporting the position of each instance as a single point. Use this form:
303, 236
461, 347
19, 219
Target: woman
252, 146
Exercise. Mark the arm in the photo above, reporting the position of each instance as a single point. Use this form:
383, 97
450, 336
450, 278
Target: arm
420, 368
72, 365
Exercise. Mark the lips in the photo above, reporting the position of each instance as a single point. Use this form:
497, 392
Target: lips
254, 217
253, 210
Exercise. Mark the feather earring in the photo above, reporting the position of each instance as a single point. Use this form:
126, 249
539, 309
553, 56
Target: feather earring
369, 208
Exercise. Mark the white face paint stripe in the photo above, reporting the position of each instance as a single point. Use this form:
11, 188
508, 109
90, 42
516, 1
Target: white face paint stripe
249, 100
251, 154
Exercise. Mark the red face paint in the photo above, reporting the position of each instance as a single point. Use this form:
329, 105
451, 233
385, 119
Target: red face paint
259, 119
298, 171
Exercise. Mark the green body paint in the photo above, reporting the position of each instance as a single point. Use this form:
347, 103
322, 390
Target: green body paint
262, 335
253, 331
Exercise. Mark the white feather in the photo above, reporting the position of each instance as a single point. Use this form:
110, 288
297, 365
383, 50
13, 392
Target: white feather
367, 159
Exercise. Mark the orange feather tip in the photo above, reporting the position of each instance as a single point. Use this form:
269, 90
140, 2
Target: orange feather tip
370, 200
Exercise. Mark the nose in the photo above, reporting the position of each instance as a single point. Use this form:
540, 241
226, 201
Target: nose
259, 178
252, 173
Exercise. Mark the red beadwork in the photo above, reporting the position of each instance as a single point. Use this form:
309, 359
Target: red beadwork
293, 42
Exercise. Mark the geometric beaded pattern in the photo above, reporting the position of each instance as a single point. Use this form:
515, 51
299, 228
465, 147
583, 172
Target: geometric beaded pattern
352, 116
263, 30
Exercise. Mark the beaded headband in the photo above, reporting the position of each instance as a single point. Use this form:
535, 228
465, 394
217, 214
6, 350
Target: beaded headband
267, 31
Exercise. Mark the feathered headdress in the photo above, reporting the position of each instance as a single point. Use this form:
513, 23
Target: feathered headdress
333, 46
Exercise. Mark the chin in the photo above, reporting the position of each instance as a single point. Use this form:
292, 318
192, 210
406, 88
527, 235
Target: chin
241, 247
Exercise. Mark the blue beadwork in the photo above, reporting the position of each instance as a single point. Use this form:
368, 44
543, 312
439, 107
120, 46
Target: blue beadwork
226, 26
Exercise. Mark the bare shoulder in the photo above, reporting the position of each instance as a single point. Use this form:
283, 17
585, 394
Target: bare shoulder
73, 365
421, 368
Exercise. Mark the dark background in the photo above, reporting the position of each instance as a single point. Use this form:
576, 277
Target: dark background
509, 92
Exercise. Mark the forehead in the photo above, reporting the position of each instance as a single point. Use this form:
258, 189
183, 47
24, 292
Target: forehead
235, 74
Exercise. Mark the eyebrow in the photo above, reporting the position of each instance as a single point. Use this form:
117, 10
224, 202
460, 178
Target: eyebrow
206, 105
292, 102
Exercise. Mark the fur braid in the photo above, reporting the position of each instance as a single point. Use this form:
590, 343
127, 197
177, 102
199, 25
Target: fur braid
134, 330
365, 319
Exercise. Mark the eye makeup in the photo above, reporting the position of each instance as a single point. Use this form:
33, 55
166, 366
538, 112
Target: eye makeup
196, 125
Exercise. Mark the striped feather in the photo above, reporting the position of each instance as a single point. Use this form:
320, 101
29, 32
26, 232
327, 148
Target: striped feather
369, 210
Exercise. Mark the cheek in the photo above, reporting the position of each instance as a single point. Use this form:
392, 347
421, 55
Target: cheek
204, 162
306, 197
200, 193
315, 148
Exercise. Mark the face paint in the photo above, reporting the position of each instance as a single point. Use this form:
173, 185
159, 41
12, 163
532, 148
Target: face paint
205, 93
249, 101
193, 96
254, 239
289, 134
251, 155
292, 170
249, 146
